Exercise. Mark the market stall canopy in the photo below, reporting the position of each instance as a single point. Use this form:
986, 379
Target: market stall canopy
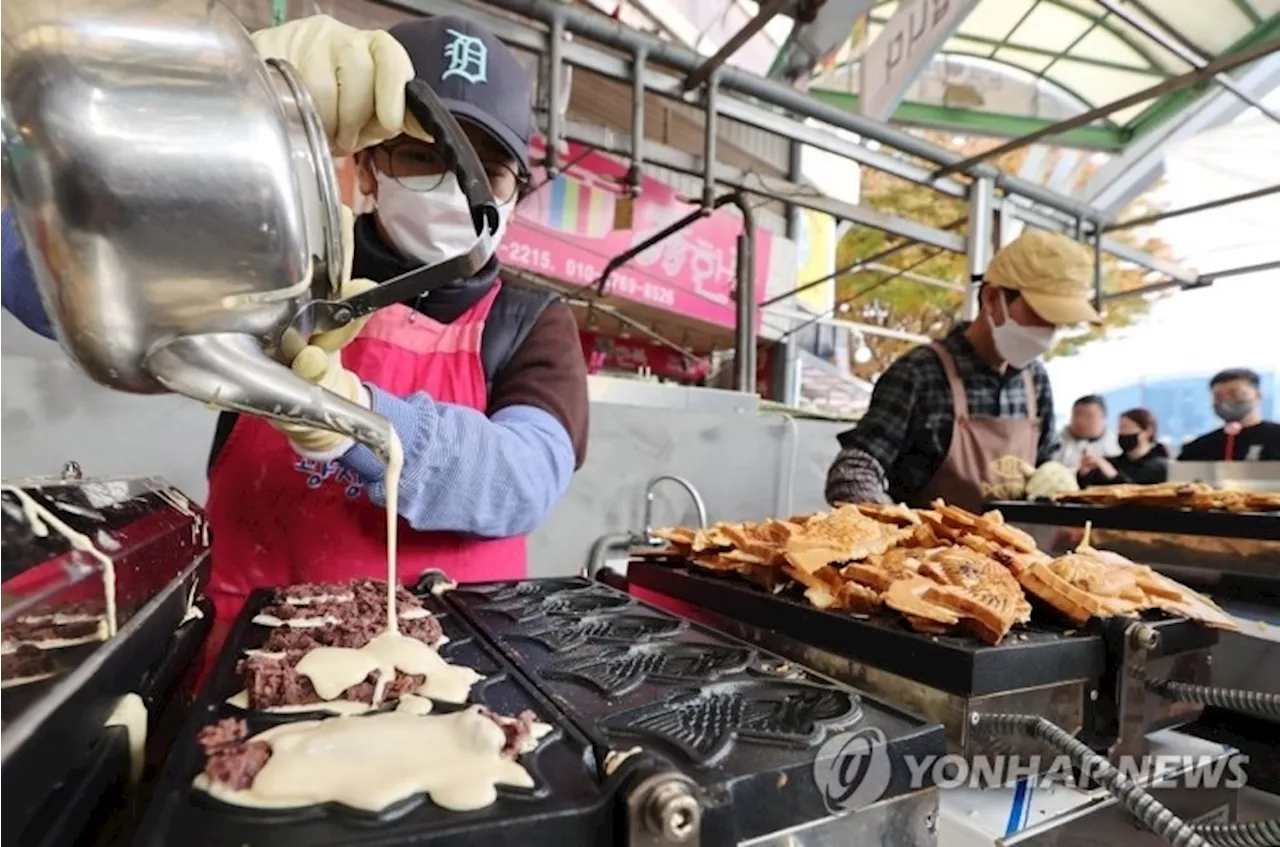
1006, 68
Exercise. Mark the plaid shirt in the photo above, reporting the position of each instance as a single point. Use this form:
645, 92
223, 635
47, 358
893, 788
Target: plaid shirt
905, 435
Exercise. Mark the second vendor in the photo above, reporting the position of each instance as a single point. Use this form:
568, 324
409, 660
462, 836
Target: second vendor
943, 412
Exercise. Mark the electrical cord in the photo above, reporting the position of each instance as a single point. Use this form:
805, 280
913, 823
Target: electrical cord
1140, 804
1257, 703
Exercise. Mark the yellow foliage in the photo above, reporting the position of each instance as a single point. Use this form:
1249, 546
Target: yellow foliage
925, 309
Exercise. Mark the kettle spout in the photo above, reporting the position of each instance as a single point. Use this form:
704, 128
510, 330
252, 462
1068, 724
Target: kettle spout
230, 371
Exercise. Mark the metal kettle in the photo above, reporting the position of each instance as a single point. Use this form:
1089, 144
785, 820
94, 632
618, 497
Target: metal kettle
180, 209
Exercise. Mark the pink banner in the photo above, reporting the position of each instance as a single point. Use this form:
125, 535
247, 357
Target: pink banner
565, 231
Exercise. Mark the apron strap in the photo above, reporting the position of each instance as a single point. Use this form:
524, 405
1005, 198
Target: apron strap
1029, 386
959, 401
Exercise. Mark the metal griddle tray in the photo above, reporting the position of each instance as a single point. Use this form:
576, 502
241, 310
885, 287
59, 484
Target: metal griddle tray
745, 725
567, 805
49, 726
1258, 526
1030, 656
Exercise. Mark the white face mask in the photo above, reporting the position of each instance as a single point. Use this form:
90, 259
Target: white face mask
1019, 345
432, 225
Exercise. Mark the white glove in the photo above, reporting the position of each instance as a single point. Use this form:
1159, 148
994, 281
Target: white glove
1050, 479
356, 77
325, 370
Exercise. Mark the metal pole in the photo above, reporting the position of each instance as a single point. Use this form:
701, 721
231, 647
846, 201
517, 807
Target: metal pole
637, 122
663, 234
710, 130
1191, 57
1191, 210
856, 266
555, 61
744, 328
1177, 83
981, 197
764, 14
1097, 269
618, 36
1247, 269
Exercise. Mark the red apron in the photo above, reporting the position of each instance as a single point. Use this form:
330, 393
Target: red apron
280, 519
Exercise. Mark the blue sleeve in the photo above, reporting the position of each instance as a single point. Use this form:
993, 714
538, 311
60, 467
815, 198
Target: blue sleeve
463, 472
18, 283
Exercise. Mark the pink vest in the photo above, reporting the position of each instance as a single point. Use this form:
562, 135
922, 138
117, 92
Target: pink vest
279, 519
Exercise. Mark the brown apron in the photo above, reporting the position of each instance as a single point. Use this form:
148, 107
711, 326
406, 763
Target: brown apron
976, 442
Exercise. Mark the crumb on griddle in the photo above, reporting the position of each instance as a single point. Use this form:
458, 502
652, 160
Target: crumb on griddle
229, 758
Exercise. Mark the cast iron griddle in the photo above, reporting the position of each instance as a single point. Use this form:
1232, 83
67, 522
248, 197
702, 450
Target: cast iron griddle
1260, 526
566, 806
744, 724
1030, 656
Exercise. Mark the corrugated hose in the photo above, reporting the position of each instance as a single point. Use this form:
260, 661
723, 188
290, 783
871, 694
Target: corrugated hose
1233, 699
1140, 804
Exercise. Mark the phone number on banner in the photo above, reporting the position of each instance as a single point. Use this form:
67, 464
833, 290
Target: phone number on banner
525, 256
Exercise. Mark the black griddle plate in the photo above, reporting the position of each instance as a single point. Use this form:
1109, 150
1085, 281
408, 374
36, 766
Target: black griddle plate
78, 703
566, 806
1030, 656
744, 724
1259, 526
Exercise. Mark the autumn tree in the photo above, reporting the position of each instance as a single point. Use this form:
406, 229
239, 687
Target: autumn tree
876, 297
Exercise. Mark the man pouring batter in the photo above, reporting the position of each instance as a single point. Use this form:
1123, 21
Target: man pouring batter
942, 413
484, 382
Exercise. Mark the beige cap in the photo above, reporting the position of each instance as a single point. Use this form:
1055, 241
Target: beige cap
1053, 273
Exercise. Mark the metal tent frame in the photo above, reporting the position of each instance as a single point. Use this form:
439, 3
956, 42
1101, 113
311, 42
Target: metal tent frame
651, 66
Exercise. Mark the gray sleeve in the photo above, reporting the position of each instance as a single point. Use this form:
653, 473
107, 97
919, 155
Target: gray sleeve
856, 477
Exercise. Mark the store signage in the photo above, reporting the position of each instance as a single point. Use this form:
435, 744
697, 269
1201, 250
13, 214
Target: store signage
816, 258
565, 230
604, 352
903, 49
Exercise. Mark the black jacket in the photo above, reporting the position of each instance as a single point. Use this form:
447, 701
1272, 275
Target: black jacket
1150, 469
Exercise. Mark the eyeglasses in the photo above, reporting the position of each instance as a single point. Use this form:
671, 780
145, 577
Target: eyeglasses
421, 167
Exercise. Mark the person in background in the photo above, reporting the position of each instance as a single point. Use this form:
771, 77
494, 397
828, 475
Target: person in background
1141, 458
942, 413
1244, 436
1086, 433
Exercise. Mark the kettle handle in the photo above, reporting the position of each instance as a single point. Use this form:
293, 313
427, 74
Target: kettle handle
425, 105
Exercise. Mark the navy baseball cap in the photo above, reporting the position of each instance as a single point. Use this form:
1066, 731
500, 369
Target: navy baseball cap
476, 75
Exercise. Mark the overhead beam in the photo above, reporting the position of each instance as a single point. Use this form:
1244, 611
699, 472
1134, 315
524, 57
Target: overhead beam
1169, 86
1178, 45
1124, 178
768, 187
610, 33
1119, 249
1199, 207
973, 122
766, 12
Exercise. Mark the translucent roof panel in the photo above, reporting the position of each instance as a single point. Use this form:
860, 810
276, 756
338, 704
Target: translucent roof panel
704, 25
1036, 55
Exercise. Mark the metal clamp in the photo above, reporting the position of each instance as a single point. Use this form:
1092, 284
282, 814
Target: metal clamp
664, 809
1140, 640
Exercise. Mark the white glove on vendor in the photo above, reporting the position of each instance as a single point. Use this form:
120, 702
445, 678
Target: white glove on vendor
356, 77
320, 362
